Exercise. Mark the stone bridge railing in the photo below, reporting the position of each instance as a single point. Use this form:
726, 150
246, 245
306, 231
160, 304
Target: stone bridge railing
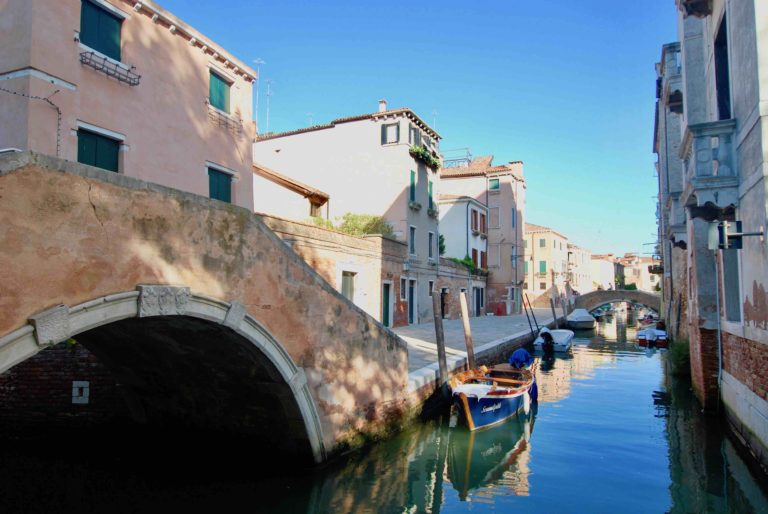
594, 299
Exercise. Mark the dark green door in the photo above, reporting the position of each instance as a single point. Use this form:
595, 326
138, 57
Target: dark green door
385, 305
411, 301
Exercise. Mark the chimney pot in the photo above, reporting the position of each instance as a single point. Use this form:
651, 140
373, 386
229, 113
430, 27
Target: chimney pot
382, 105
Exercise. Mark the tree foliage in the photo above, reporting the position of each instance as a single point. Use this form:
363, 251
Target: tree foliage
357, 224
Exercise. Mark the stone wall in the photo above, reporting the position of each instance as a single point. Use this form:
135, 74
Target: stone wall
72, 234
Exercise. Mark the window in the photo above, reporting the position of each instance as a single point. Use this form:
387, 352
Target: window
494, 255
414, 136
100, 29
348, 285
542, 286
431, 287
483, 226
390, 133
525, 285
493, 184
525, 268
514, 256
429, 191
542, 266
474, 257
483, 260
554, 244
722, 79
731, 286
403, 288
412, 191
97, 150
220, 185
542, 243
493, 213
431, 245
525, 244
514, 216
474, 221
218, 93
412, 241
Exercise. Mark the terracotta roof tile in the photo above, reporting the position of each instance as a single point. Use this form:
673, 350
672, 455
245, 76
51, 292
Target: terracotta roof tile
369, 116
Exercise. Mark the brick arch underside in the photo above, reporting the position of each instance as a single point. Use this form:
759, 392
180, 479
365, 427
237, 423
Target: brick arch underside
210, 368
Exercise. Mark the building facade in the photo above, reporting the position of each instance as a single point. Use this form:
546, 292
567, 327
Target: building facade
125, 86
382, 163
546, 263
603, 272
502, 189
721, 160
579, 269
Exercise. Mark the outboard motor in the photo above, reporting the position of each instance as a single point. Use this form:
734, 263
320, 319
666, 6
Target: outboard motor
548, 344
522, 359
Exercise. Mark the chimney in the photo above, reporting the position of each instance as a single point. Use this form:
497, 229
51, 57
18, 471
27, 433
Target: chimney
382, 105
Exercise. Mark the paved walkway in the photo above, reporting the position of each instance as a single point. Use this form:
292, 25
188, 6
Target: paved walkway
488, 334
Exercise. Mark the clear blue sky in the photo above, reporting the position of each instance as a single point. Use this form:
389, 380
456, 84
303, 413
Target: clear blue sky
566, 86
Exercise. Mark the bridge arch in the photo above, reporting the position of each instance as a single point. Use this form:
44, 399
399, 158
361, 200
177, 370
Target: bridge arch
594, 299
123, 316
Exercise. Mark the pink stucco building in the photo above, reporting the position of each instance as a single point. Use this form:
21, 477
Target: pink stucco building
128, 87
501, 188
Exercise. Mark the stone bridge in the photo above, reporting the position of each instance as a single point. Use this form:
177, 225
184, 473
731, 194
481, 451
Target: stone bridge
594, 299
200, 311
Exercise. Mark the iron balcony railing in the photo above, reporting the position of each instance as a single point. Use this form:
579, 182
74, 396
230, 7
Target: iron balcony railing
110, 68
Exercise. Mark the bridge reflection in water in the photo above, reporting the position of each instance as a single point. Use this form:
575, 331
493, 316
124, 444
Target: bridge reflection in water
603, 442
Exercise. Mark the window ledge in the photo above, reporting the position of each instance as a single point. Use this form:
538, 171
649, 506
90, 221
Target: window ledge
224, 119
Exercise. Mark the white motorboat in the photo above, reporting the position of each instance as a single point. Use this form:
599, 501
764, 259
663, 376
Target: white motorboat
580, 319
561, 339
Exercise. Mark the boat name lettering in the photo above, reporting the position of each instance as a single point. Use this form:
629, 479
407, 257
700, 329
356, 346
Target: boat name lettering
491, 408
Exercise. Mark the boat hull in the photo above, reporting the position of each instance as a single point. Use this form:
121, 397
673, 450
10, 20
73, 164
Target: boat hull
563, 340
490, 410
581, 325
658, 343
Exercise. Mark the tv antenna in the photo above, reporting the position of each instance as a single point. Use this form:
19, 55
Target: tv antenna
269, 95
258, 62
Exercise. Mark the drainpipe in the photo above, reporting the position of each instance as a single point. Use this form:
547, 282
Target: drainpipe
719, 341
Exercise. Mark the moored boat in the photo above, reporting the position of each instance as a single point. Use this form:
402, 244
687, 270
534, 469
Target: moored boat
562, 340
652, 337
488, 396
580, 319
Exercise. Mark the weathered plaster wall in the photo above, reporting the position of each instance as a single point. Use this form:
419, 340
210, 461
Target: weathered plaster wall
165, 113
71, 233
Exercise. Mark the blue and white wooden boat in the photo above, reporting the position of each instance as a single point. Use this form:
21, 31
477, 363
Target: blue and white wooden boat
484, 400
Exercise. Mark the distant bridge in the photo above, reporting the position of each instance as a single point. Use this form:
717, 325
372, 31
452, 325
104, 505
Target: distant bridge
594, 299
198, 309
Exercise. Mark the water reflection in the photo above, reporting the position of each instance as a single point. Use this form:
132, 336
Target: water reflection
613, 434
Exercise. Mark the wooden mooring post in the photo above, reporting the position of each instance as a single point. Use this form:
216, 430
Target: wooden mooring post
554, 312
440, 340
467, 331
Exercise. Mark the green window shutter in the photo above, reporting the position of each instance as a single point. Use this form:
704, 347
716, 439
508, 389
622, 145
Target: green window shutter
107, 153
525, 267
100, 29
542, 266
397, 133
220, 185
431, 206
86, 148
109, 35
219, 92
413, 186
96, 150
542, 243
383, 134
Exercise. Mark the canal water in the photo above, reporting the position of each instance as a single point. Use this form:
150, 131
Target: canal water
612, 433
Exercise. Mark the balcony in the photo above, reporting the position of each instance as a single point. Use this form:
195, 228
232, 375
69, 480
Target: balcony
698, 8
711, 183
110, 68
